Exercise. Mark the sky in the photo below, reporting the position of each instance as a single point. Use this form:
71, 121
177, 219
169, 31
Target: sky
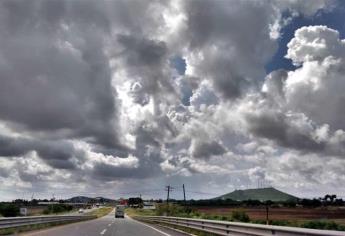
122, 98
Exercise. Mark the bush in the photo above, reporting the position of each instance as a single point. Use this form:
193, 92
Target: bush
310, 202
174, 210
240, 216
58, 208
316, 224
289, 203
281, 223
9, 210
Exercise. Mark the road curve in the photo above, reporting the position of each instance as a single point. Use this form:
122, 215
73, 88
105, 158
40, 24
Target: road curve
105, 226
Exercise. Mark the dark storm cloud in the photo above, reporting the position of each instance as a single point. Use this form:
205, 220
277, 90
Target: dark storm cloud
276, 127
146, 62
228, 36
57, 154
109, 173
141, 51
52, 80
207, 149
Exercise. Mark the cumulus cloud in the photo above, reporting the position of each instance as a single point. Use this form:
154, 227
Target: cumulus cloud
89, 95
302, 108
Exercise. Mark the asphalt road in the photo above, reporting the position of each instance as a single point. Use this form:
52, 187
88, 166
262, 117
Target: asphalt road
105, 226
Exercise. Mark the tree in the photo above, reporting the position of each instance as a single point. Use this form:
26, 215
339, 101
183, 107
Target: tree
135, 201
240, 216
332, 198
9, 210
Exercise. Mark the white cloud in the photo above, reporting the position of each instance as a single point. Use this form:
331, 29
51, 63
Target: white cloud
102, 105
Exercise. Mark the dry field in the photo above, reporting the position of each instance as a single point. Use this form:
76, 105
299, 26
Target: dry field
280, 213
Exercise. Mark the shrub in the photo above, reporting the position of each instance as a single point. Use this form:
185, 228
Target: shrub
174, 210
58, 208
316, 224
240, 216
289, 203
9, 210
280, 222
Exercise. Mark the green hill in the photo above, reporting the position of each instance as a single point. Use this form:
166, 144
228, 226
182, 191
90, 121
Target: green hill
261, 194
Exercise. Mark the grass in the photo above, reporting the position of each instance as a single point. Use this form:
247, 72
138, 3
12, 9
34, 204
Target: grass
139, 212
30, 228
238, 215
100, 212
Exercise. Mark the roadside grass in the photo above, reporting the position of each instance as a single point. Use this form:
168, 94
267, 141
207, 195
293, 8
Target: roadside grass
100, 212
97, 213
238, 215
139, 212
15, 231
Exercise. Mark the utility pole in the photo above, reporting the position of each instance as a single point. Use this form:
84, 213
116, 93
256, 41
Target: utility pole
184, 195
267, 220
168, 190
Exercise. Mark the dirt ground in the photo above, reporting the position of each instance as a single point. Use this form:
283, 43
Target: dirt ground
280, 213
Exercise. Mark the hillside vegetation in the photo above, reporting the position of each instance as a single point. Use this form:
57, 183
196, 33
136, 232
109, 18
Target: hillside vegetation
261, 194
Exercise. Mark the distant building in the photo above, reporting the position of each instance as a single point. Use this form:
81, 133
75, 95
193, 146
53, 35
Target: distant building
149, 206
48, 203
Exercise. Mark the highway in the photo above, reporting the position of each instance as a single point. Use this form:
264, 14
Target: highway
105, 226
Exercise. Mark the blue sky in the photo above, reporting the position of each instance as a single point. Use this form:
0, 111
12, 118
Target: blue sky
334, 19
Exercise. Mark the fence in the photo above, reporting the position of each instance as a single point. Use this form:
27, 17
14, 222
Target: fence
236, 229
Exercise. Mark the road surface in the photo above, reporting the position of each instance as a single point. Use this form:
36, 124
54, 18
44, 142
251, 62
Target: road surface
106, 226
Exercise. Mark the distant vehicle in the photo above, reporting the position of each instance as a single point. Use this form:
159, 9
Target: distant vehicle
81, 210
120, 211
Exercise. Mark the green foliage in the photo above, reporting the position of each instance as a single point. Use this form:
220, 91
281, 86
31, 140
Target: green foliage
251, 203
135, 201
289, 204
317, 224
310, 202
9, 210
240, 216
58, 208
174, 210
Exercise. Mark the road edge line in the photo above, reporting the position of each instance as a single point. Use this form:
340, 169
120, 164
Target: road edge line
177, 230
149, 226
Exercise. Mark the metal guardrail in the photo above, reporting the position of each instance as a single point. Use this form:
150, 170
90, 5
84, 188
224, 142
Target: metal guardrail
235, 228
13, 222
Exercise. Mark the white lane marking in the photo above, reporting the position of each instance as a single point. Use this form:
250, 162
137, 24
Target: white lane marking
109, 224
159, 231
103, 232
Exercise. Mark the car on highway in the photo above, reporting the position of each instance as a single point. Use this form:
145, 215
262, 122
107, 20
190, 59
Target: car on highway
120, 211
81, 210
